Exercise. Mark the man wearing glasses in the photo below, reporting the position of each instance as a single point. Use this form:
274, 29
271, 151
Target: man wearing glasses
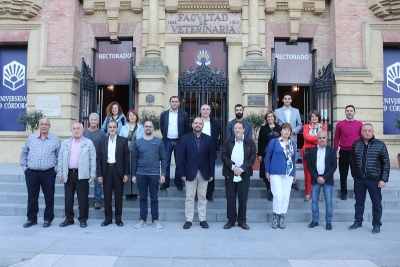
38, 161
113, 171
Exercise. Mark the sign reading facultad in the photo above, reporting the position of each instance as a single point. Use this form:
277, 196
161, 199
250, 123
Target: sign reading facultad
256, 100
49, 105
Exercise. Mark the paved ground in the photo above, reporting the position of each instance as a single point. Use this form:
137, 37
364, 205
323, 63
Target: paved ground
295, 246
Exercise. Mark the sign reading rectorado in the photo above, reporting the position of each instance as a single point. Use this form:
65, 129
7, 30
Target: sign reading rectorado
203, 23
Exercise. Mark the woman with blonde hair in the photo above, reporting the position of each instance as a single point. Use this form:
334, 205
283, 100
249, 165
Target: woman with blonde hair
114, 112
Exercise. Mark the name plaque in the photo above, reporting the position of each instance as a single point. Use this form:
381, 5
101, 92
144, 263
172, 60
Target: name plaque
256, 100
203, 23
49, 105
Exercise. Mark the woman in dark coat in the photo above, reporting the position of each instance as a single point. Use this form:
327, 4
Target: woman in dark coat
268, 132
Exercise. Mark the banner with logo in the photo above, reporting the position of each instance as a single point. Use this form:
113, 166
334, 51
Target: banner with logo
294, 62
113, 62
391, 89
13, 87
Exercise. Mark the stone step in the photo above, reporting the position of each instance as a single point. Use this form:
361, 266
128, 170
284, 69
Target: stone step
131, 215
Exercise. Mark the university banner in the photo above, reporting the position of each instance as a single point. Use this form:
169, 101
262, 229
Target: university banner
13, 87
391, 89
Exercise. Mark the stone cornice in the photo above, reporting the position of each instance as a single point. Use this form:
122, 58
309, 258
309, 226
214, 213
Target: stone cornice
19, 9
196, 5
385, 9
113, 9
296, 9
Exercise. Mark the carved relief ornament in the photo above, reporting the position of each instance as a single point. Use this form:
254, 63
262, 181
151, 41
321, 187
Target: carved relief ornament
296, 9
385, 9
19, 9
113, 9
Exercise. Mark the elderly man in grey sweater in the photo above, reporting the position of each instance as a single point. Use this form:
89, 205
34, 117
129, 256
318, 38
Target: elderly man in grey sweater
148, 152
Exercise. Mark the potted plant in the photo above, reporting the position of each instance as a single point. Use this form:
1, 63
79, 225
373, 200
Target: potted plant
30, 119
147, 115
256, 120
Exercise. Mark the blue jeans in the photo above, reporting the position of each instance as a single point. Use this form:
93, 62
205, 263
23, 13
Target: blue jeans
146, 184
98, 190
316, 188
360, 191
170, 146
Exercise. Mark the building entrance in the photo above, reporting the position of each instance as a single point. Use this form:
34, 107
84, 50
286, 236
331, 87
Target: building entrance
109, 93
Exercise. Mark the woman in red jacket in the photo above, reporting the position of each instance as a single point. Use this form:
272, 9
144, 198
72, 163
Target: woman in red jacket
310, 140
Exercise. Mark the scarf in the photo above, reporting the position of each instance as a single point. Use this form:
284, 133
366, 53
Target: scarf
288, 151
313, 132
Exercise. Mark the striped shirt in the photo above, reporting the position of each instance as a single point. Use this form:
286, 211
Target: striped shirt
38, 154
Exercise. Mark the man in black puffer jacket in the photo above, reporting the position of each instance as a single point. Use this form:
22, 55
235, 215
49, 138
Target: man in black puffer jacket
370, 167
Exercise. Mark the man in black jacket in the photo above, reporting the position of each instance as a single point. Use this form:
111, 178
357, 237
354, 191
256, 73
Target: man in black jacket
370, 167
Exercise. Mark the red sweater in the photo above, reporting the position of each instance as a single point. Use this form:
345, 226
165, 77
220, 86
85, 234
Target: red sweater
346, 133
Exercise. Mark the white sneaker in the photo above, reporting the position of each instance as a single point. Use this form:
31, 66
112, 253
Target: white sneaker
157, 224
140, 224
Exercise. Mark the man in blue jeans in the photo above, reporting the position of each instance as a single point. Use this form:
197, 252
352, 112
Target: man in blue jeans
148, 152
174, 123
322, 164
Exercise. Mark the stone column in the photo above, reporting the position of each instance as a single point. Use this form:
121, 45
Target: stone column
153, 49
254, 49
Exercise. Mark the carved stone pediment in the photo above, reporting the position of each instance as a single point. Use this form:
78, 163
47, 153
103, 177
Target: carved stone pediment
113, 8
385, 9
19, 9
296, 10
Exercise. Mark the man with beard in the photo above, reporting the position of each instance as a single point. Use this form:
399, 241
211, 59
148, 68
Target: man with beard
196, 158
239, 109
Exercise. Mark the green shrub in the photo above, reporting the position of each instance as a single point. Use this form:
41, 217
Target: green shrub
257, 120
147, 115
30, 119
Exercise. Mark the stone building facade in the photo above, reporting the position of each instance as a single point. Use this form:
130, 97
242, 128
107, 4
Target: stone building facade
57, 34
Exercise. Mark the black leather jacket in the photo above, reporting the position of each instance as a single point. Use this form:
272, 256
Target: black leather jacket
377, 165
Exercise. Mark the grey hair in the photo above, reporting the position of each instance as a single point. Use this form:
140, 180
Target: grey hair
368, 124
322, 131
94, 114
72, 125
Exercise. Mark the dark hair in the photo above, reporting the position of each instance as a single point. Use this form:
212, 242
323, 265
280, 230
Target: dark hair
269, 112
239, 105
134, 112
316, 113
109, 108
239, 122
285, 126
350, 106
174, 96
287, 93
110, 121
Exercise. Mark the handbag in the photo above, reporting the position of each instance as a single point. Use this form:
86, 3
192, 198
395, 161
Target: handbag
306, 153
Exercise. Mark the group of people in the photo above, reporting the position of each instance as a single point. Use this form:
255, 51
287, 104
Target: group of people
125, 158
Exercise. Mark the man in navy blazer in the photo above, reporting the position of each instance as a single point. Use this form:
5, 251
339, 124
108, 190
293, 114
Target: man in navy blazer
322, 164
174, 123
196, 160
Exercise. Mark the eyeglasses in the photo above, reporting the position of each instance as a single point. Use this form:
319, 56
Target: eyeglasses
148, 126
112, 126
44, 124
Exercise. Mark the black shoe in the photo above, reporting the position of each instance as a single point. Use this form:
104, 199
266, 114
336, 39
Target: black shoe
179, 187
355, 226
295, 187
343, 197
128, 197
270, 196
376, 230
46, 224
29, 224
229, 225
244, 226
328, 226
120, 223
187, 225
313, 224
105, 223
83, 224
209, 198
66, 223
204, 224
164, 186
134, 197
97, 205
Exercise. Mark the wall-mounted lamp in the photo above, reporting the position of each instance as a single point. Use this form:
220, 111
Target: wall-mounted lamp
295, 89
110, 87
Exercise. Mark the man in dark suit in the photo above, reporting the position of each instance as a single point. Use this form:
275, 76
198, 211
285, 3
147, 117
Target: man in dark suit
196, 160
238, 156
113, 171
174, 123
322, 164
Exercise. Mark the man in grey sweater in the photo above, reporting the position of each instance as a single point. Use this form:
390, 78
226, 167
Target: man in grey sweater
148, 152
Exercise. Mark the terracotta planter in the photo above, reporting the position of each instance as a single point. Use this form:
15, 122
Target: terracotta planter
256, 165
398, 160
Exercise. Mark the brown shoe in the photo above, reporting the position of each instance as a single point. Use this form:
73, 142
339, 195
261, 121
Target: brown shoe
244, 226
295, 187
229, 225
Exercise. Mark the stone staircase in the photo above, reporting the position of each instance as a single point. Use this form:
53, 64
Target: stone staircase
13, 200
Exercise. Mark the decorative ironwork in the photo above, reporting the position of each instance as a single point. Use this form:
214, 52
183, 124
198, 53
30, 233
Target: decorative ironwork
323, 93
205, 86
86, 99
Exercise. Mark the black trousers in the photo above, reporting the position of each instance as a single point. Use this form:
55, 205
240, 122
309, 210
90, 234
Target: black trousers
81, 187
46, 180
344, 163
233, 189
113, 182
361, 186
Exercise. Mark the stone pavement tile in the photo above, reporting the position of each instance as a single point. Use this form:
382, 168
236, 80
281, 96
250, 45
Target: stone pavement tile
43, 260
21, 243
379, 250
87, 246
360, 263
260, 263
10, 258
143, 261
331, 263
86, 260
387, 263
